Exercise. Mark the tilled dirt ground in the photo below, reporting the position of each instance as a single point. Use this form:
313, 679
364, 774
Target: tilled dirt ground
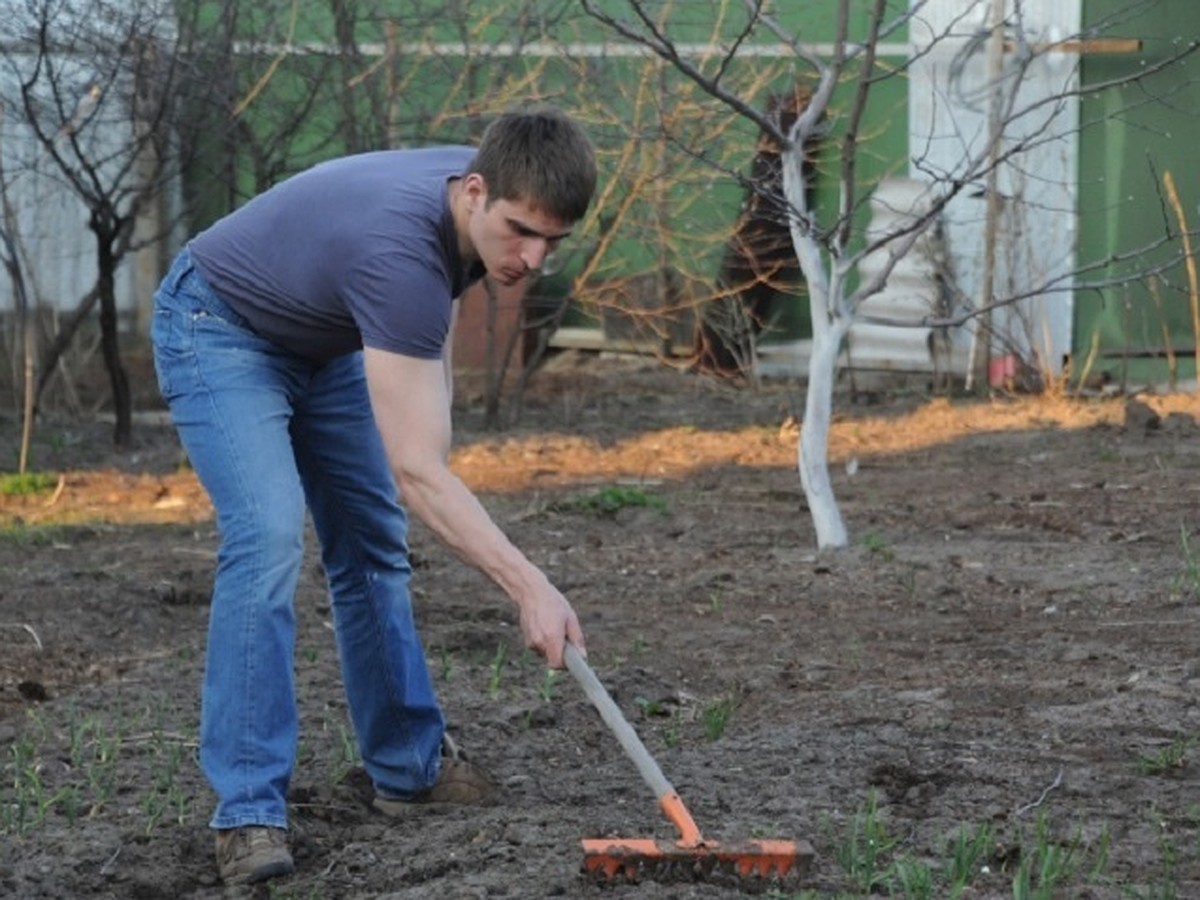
1009, 646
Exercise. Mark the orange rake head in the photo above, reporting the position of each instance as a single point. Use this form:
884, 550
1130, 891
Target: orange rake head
692, 858
640, 859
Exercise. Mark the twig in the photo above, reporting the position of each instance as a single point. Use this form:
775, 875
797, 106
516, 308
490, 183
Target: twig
1193, 280
271, 69
335, 862
25, 627
156, 737
1147, 623
1054, 785
110, 864
58, 491
194, 551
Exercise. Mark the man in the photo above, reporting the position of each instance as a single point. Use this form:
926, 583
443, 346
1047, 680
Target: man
302, 345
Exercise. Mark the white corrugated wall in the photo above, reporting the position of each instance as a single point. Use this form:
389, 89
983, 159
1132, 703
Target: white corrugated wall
950, 92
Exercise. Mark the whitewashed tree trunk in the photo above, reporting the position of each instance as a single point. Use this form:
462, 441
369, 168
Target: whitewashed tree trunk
814, 433
831, 321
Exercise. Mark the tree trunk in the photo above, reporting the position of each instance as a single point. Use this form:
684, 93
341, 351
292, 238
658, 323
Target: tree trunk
122, 404
25, 318
830, 324
814, 433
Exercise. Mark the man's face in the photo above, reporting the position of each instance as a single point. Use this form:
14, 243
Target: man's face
511, 238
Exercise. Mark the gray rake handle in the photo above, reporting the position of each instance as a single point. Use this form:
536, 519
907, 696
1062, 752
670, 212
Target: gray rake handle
617, 723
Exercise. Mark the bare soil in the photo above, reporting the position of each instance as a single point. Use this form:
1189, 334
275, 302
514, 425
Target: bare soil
1010, 642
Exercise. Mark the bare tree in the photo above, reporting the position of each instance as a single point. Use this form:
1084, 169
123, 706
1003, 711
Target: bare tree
676, 259
992, 162
90, 88
120, 104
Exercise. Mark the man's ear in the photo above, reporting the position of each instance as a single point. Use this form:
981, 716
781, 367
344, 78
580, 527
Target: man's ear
474, 188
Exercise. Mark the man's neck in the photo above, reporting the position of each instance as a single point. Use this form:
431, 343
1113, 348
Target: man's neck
459, 215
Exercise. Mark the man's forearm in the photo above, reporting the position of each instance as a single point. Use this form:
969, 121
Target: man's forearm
455, 515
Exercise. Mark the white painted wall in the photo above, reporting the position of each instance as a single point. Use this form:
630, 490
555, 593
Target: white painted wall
949, 96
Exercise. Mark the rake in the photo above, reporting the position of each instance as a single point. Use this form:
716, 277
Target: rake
692, 856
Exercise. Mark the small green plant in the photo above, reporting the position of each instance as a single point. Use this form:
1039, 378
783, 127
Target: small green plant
23, 788
161, 798
1046, 867
446, 664
864, 852
715, 718
968, 852
25, 798
546, 689
1101, 855
305, 753
1171, 757
612, 499
877, 544
1189, 580
70, 803
19, 484
914, 879
650, 708
101, 768
496, 671
1165, 888
76, 766
348, 757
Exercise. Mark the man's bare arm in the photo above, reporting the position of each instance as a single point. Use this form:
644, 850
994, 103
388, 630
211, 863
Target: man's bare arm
447, 354
412, 411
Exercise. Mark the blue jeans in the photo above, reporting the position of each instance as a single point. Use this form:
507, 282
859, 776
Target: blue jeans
269, 432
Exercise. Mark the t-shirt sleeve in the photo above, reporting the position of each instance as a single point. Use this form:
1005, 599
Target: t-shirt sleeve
401, 304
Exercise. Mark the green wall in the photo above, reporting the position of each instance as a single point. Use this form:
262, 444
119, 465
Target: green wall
1132, 137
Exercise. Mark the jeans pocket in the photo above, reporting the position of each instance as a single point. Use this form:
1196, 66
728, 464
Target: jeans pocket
165, 339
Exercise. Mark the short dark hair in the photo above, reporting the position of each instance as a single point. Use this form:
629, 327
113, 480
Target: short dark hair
538, 156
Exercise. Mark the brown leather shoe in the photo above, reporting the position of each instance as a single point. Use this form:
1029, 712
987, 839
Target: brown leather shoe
459, 783
253, 853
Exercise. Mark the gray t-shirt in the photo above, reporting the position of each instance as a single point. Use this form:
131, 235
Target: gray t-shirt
358, 251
